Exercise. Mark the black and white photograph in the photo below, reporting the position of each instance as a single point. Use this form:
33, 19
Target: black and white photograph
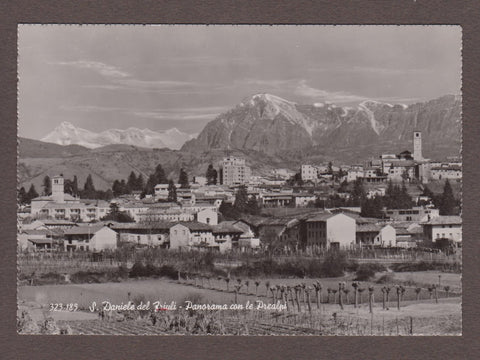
239, 180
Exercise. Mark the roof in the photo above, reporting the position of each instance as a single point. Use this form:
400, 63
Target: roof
226, 227
160, 225
66, 197
58, 222
444, 220
368, 227
321, 217
451, 167
195, 225
80, 230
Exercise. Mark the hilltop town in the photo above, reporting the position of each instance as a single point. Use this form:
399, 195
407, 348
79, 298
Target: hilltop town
385, 202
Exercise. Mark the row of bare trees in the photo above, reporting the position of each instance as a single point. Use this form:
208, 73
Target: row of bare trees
294, 295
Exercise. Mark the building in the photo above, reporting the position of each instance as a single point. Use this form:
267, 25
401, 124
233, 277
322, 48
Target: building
417, 146
191, 234
63, 206
446, 171
309, 173
355, 172
235, 171
328, 230
226, 235
90, 238
207, 216
375, 235
247, 240
415, 214
152, 234
443, 227
276, 199
304, 199
39, 239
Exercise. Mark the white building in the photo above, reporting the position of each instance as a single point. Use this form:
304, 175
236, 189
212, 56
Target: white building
452, 172
303, 200
328, 230
207, 216
417, 146
443, 227
90, 238
309, 172
235, 171
189, 235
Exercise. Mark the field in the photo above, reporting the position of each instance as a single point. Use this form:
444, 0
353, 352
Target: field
424, 315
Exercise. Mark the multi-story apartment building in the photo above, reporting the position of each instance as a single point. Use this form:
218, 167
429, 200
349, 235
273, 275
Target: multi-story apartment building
235, 171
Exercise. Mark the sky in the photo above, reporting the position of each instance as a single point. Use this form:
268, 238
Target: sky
99, 77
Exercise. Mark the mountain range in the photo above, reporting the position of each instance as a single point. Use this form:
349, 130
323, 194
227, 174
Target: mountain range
268, 131
67, 134
272, 125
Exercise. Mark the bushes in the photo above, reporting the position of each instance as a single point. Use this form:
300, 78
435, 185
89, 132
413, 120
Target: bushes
386, 279
334, 264
150, 270
425, 266
367, 271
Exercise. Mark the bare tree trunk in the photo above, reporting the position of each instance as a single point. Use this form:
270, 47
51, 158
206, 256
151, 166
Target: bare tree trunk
297, 295
317, 298
308, 302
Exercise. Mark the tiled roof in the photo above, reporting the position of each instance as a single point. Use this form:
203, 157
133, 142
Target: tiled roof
195, 225
368, 227
80, 230
158, 225
226, 227
444, 220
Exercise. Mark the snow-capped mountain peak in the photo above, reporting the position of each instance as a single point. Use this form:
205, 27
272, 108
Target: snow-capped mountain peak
67, 134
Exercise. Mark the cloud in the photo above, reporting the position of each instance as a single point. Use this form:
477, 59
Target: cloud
302, 89
99, 67
193, 113
378, 70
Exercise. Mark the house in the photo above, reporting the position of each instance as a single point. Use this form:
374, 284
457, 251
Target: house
446, 171
226, 235
147, 234
416, 214
372, 234
326, 230
191, 234
39, 239
279, 233
90, 238
247, 239
303, 199
443, 227
207, 216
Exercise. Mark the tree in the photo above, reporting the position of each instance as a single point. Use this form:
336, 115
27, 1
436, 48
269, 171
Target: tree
172, 192
131, 182
183, 179
140, 184
75, 186
211, 175
241, 199
116, 215
330, 168
47, 185
22, 196
372, 208
252, 206
160, 176
150, 185
447, 200
358, 193
32, 193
